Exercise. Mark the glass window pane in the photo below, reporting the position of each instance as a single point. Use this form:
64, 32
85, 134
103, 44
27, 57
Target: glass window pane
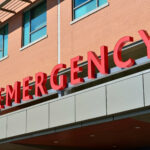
38, 34
1, 54
79, 2
102, 2
26, 31
85, 9
1, 42
38, 17
6, 40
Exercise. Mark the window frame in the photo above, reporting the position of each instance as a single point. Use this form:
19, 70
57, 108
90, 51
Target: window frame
3, 44
84, 3
23, 23
4, 28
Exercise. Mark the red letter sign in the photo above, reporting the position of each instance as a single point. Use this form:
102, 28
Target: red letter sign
75, 70
117, 53
146, 38
101, 65
53, 78
40, 84
27, 88
1, 98
13, 93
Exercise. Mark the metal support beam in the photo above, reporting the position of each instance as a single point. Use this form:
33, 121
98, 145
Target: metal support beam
9, 11
27, 1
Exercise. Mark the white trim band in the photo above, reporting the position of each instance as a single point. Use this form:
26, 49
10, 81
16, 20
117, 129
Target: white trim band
1, 59
89, 13
30, 44
58, 42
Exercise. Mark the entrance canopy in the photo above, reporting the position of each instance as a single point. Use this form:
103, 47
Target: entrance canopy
9, 8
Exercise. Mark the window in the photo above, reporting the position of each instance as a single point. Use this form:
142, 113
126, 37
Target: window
34, 24
82, 7
4, 41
